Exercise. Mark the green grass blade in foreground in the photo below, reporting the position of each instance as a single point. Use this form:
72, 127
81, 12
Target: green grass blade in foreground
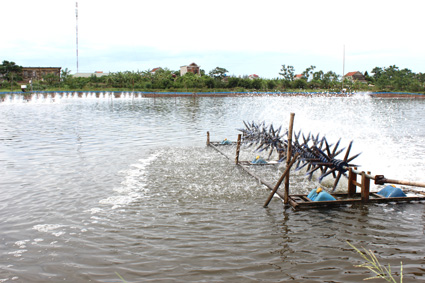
373, 265
122, 279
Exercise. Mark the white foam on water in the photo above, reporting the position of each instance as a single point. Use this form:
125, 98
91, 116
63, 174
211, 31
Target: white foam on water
36, 241
94, 210
17, 253
14, 278
56, 97
133, 187
362, 95
58, 234
22, 244
50, 228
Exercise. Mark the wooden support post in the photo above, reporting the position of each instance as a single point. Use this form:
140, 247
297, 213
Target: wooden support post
365, 187
238, 148
285, 173
208, 138
352, 179
288, 156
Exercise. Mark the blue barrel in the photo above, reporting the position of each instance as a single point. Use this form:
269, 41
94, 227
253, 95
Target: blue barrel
320, 195
258, 160
324, 196
312, 195
391, 192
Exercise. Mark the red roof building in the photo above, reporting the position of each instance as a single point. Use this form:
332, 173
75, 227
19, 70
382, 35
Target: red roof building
192, 68
299, 76
355, 76
155, 69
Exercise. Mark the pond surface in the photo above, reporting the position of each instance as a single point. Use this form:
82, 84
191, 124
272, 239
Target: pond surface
93, 187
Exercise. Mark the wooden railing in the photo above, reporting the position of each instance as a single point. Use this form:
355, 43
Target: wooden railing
364, 184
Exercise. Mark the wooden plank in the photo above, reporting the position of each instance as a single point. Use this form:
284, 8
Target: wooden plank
365, 187
317, 204
213, 145
306, 199
284, 175
267, 184
288, 155
376, 195
398, 199
357, 184
293, 203
238, 148
247, 163
298, 199
352, 180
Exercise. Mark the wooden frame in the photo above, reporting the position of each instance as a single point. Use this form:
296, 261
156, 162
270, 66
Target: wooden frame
300, 201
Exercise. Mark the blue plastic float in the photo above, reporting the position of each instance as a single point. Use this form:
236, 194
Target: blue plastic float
225, 141
258, 160
320, 195
391, 191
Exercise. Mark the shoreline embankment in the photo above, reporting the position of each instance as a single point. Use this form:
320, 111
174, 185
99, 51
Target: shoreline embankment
119, 94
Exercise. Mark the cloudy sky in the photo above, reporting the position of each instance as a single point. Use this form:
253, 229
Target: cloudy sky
245, 37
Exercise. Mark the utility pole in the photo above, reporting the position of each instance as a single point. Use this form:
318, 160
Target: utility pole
343, 67
76, 29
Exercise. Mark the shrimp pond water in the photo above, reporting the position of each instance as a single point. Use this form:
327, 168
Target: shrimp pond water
95, 187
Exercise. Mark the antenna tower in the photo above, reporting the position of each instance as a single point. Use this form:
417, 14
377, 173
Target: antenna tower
343, 67
76, 29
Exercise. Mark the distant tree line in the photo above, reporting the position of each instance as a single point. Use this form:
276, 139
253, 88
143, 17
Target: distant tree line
382, 79
394, 79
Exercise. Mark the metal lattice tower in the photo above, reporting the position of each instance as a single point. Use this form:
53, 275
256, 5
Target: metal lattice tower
76, 29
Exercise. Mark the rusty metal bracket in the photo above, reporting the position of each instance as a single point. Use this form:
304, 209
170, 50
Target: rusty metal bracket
380, 180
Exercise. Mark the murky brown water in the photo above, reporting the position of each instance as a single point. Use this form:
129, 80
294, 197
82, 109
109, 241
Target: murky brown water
91, 188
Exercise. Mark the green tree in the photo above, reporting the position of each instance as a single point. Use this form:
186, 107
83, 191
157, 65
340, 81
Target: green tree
420, 77
65, 76
330, 80
246, 83
377, 72
318, 76
190, 81
308, 72
163, 79
287, 72
218, 73
233, 82
367, 77
208, 82
11, 72
51, 79
299, 84
271, 84
257, 84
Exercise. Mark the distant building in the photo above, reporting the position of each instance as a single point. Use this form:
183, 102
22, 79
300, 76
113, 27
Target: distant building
253, 76
355, 77
37, 73
299, 76
192, 68
88, 75
154, 70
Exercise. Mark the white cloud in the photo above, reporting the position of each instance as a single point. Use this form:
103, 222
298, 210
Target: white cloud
255, 35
